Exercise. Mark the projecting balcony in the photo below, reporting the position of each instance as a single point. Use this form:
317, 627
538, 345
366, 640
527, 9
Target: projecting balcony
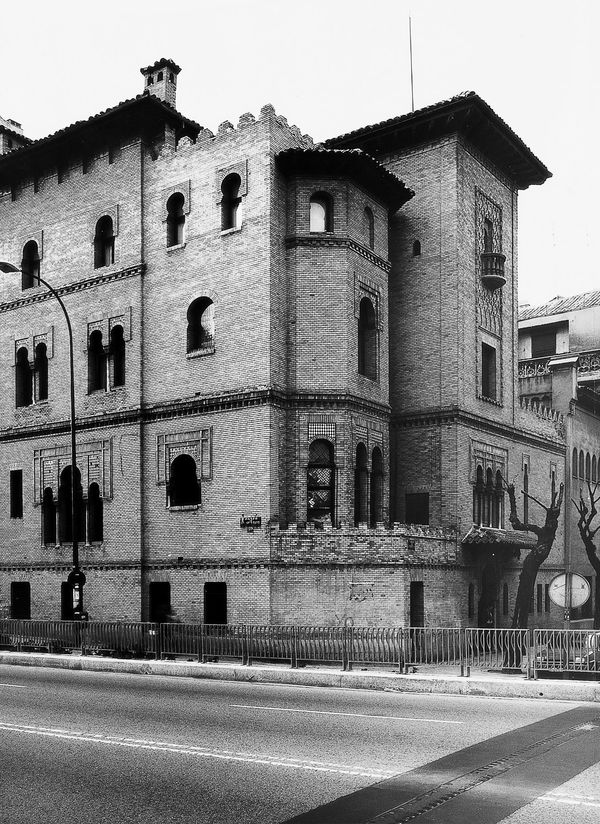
492, 270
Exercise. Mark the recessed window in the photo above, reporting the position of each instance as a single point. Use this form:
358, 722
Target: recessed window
320, 482
175, 219
183, 488
116, 355
369, 227
159, 601
104, 243
416, 249
201, 325
16, 493
543, 343
48, 517
95, 513
321, 213
367, 340
231, 202
150, 80
215, 602
581, 464
65, 517
488, 372
488, 236
96, 362
40, 372
488, 498
376, 502
159, 77
30, 265
23, 379
361, 477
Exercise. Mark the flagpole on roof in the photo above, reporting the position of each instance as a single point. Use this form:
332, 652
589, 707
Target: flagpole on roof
412, 87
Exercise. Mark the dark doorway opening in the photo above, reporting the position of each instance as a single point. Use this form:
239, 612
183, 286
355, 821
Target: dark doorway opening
66, 601
20, 599
417, 604
160, 602
215, 602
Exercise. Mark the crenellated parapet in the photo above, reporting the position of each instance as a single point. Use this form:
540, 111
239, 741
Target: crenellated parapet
402, 544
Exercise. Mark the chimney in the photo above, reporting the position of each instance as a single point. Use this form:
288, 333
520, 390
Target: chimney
160, 80
11, 135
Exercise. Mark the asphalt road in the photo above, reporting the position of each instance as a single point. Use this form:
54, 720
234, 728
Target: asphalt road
88, 747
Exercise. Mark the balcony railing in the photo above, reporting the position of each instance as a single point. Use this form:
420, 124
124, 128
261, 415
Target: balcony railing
492, 270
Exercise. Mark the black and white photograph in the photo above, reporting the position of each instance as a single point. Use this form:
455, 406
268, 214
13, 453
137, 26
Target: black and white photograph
299, 412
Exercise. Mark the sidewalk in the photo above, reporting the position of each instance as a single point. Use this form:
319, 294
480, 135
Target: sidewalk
424, 680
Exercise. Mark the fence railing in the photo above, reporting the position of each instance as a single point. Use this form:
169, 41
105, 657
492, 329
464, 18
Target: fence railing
528, 651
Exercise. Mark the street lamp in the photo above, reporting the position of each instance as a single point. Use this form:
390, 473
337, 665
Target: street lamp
76, 577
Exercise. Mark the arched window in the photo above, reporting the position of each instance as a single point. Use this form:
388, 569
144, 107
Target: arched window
321, 213
574, 463
416, 250
505, 599
116, 353
360, 485
231, 202
588, 465
65, 531
376, 486
96, 363
497, 502
525, 493
594, 465
175, 219
30, 265
95, 515
369, 227
488, 236
367, 340
581, 464
40, 369
201, 324
104, 243
23, 379
48, 517
320, 482
478, 493
184, 487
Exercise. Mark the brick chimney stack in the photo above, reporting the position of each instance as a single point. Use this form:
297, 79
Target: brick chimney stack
160, 80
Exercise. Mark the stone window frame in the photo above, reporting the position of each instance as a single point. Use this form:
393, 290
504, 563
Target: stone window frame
94, 462
197, 443
113, 213
105, 325
30, 343
241, 169
183, 188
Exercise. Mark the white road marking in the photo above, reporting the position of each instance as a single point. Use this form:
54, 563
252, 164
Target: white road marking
347, 714
16, 686
202, 752
574, 800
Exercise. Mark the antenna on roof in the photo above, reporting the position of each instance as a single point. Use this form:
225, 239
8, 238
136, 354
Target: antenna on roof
412, 86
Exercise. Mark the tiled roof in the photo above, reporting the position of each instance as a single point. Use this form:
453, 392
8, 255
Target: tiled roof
500, 537
353, 162
559, 304
164, 61
467, 114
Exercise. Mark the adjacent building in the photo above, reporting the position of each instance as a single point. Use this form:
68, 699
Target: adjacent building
295, 368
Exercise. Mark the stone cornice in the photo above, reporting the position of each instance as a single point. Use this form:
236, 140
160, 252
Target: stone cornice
204, 405
473, 421
330, 240
79, 286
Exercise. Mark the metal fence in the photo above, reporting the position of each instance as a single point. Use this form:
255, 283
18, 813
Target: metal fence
400, 648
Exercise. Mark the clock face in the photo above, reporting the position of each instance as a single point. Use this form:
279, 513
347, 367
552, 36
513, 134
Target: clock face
580, 590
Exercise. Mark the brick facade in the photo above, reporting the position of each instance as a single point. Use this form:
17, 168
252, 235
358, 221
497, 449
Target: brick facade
345, 342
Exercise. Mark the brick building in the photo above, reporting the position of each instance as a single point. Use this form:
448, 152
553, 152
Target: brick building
295, 368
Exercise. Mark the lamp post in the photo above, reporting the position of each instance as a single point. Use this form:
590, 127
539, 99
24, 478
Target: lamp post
76, 577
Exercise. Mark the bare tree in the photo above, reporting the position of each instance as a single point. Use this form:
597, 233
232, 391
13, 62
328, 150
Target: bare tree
586, 517
536, 557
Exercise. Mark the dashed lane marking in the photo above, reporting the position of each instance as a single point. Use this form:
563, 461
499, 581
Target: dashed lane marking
201, 752
348, 714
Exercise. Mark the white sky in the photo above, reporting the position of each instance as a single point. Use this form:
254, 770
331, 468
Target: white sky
331, 66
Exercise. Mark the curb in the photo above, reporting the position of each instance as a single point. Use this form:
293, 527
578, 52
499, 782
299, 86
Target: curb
514, 686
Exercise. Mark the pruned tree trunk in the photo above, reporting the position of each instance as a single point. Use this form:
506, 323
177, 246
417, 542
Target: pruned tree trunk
586, 517
536, 557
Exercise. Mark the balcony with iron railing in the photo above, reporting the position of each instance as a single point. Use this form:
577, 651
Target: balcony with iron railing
492, 270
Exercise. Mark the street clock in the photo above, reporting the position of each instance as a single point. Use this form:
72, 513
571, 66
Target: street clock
580, 590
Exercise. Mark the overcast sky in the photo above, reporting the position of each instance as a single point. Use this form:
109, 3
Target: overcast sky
331, 66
